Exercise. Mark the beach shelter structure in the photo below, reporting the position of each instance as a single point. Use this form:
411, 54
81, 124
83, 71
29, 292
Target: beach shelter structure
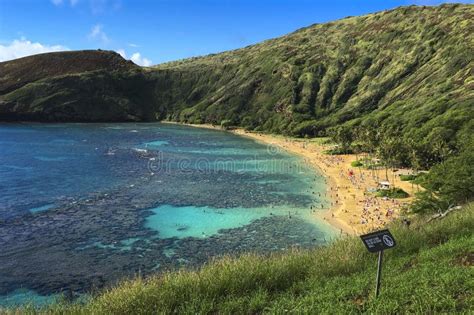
384, 185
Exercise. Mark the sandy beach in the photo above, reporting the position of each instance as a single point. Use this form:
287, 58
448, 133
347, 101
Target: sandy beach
354, 208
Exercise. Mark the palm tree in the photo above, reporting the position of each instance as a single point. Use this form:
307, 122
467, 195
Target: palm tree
415, 156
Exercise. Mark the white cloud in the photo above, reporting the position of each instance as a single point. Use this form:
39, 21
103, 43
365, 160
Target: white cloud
122, 53
133, 45
97, 33
60, 2
136, 58
23, 47
95, 6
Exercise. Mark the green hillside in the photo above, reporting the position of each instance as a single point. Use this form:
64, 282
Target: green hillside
19, 72
72, 86
410, 67
429, 272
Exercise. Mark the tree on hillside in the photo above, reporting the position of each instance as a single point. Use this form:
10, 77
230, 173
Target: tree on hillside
369, 136
385, 152
447, 184
453, 179
225, 124
343, 136
414, 157
440, 139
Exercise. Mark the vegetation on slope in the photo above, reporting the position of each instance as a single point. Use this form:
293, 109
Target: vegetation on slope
16, 73
430, 271
74, 86
90, 96
409, 68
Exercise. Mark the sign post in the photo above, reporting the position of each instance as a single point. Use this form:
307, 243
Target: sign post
379, 274
378, 242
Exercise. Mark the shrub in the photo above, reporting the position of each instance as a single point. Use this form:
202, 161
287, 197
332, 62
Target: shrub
338, 151
426, 202
393, 193
356, 164
452, 179
409, 177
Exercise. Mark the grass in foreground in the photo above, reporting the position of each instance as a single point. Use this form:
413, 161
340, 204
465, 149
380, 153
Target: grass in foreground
430, 271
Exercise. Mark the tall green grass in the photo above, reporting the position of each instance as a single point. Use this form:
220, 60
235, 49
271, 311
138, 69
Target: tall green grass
430, 271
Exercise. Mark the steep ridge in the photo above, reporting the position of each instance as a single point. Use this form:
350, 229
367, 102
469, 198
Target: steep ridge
409, 68
16, 73
91, 85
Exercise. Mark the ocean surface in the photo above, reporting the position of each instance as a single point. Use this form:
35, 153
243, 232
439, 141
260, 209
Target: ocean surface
83, 206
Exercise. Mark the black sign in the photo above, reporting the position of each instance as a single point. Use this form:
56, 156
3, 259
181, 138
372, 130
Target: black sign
378, 241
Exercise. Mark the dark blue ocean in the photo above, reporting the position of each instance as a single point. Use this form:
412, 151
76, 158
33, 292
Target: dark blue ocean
83, 206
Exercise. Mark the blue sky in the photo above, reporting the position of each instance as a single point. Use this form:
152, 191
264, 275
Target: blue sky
151, 32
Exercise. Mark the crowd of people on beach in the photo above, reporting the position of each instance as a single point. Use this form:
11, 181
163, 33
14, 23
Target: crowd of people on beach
353, 205
370, 212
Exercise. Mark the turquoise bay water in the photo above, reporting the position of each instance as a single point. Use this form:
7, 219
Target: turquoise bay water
194, 221
83, 206
22, 296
